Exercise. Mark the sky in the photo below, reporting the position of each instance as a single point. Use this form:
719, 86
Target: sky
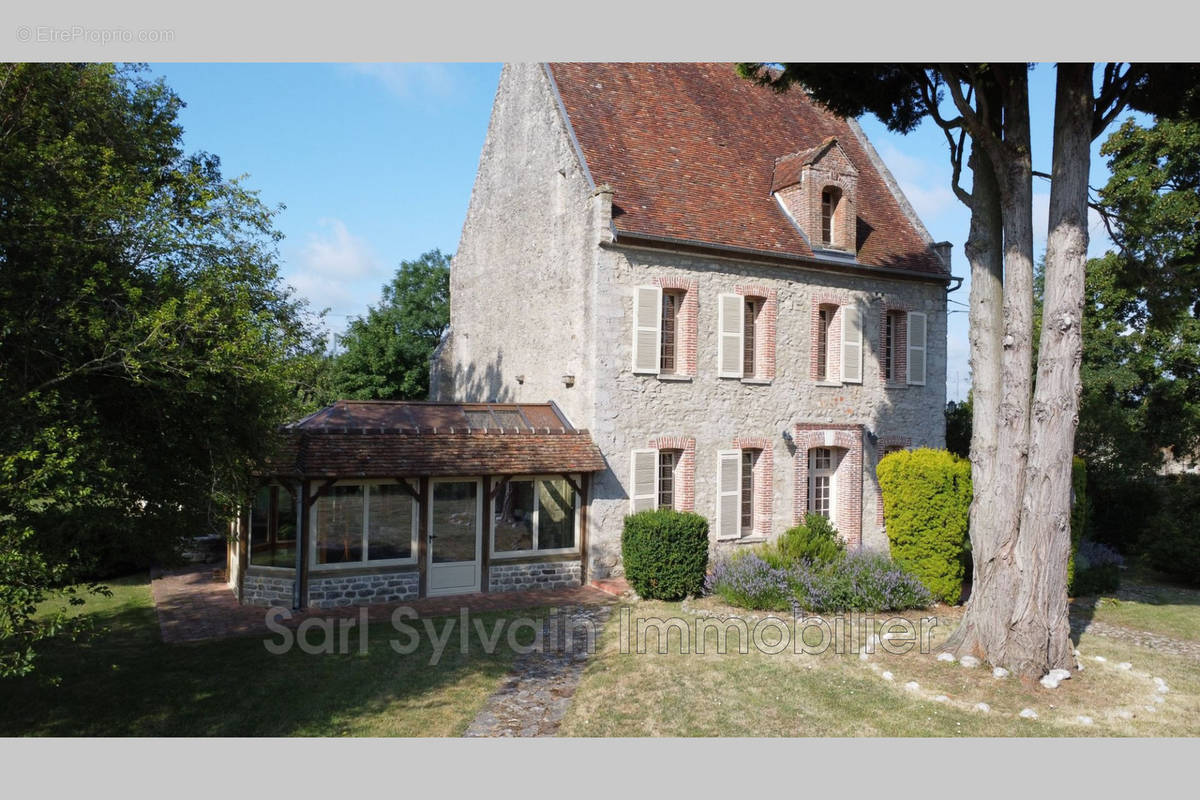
374, 163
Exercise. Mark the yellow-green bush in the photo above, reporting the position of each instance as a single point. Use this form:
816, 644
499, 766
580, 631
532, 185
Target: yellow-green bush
926, 507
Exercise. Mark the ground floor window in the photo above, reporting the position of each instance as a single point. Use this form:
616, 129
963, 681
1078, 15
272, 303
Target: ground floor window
821, 481
272, 541
364, 523
667, 461
749, 459
534, 515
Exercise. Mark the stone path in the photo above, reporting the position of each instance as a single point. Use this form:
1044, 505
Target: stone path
195, 604
538, 692
1153, 641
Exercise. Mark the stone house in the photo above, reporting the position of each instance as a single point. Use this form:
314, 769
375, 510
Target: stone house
725, 286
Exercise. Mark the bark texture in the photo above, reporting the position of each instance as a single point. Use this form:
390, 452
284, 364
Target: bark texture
1040, 637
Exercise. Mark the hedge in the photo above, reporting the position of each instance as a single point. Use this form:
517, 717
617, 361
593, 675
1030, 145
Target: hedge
665, 553
926, 508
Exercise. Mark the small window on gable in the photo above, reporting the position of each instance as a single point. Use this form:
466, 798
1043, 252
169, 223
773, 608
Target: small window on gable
830, 198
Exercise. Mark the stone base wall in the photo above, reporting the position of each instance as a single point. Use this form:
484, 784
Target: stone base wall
329, 591
544, 575
267, 590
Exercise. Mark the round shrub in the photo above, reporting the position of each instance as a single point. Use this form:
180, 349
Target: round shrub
815, 540
665, 553
926, 509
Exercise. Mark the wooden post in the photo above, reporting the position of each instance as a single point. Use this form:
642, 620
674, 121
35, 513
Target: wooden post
585, 484
302, 537
423, 538
485, 548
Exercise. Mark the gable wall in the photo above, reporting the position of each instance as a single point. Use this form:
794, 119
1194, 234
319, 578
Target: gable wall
520, 282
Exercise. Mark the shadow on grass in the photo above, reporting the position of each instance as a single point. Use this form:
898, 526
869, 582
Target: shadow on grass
125, 682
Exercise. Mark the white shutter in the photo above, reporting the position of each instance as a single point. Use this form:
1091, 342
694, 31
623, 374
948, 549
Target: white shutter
643, 480
916, 348
729, 493
730, 322
647, 328
851, 345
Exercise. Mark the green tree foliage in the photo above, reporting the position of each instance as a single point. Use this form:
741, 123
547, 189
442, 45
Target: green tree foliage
386, 355
665, 553
958, 427
815, 540
926, 503
148, 349
1141, 356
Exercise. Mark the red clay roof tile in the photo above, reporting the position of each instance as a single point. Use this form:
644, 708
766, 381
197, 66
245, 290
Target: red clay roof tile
690, 152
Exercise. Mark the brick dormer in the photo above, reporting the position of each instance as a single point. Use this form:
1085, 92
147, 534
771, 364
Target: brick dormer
818, 188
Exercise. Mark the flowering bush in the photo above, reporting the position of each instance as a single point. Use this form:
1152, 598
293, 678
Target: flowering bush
861, 581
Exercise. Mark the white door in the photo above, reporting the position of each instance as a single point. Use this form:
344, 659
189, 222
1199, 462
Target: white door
455, 534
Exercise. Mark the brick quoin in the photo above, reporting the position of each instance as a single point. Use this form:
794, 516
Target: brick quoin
689, 314
764, 475
685, 470
848, 477
764, 329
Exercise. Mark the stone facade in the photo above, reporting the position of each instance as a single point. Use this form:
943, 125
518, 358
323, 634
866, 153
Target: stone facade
331, 590
542, 290
543, 575
265, 589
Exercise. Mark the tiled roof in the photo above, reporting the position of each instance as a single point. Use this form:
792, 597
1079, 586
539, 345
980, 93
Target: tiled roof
376, 439
690, 151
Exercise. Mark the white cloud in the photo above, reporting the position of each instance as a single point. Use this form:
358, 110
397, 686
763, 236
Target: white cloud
404, 80
336, 253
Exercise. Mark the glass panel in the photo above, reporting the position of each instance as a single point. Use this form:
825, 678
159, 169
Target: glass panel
514, 517
748, 339
556, 515
480, 419
454, 522
260, 538
390, 526
340, 525
670, 305
748, 459
509, 419
666, 478
283, 552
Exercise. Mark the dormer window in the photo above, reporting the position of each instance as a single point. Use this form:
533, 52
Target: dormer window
829, 204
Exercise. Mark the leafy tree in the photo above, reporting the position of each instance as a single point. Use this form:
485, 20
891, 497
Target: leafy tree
1021, 460
148, 349
387, 352
958, 427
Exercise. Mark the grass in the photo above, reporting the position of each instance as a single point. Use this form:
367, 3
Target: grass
830, 694
126, 682
1165, 610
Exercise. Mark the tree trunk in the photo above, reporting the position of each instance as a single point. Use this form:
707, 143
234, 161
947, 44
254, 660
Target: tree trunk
996, 515
1040, 636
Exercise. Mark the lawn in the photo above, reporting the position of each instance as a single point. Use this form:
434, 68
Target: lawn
758, 694
126, 682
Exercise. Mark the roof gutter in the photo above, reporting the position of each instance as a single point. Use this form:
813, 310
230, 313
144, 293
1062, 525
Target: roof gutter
647, 241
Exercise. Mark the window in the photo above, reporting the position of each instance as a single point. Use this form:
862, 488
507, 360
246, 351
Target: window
355, 524
534, 515
887, 340
916, 348
751, 318
829, 207
272, 540
749, 459
667, 459
735, 492
647, 329
822, 465
824, 324
669, 338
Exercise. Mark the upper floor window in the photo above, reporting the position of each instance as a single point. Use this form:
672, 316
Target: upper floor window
748, 353
824, 326
887, 345
670, 335
916, 348
664, 330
